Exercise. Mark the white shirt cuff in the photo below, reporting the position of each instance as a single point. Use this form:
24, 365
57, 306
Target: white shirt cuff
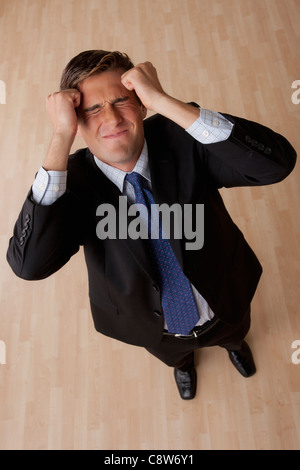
48, 186
210, 127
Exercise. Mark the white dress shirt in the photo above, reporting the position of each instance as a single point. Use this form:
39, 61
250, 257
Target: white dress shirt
210, 127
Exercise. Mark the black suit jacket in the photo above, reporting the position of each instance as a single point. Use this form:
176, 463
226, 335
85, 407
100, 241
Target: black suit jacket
123, 287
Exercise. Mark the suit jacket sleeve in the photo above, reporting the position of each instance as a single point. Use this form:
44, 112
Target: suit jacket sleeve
253, 155
45, 237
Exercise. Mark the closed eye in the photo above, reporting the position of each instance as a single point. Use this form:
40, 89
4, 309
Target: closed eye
93, 109
120, 101
98, 107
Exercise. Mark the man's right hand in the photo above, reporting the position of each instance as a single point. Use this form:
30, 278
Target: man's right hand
61, 108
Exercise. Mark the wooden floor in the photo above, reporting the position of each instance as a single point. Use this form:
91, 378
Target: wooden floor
63, 386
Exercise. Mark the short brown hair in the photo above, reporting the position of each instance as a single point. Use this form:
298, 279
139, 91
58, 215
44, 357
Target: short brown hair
90, 63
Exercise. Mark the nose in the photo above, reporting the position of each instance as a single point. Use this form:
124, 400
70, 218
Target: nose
111, 115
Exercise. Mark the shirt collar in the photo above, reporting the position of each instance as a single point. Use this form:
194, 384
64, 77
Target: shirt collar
117, 176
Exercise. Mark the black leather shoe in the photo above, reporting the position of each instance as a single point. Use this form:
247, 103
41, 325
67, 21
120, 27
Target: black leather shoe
186, 383
243, 360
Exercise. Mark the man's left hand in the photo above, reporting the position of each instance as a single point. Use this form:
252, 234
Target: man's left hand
144, 81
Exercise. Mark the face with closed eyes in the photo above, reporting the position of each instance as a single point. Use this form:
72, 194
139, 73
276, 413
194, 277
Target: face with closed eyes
110, 120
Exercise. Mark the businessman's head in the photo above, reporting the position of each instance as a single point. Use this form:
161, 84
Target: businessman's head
110, 117
93, 62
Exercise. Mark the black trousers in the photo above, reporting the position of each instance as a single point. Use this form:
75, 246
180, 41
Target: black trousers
179, 352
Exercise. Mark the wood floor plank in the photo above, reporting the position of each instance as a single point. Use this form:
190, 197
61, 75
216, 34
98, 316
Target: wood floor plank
64, 386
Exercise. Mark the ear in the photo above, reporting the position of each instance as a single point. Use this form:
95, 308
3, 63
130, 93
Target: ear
143, 111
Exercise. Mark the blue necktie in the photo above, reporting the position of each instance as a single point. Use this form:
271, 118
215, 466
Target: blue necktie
179, 306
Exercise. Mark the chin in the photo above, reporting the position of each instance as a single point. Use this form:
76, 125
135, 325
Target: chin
123, 162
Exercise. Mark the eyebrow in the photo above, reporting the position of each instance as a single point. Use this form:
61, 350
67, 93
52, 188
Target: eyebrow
99, 106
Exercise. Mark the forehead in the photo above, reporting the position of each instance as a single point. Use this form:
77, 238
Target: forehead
103, 87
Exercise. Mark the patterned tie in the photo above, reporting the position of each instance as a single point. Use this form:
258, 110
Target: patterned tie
179, 306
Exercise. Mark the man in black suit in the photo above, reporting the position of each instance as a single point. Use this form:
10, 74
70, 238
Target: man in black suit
185, 154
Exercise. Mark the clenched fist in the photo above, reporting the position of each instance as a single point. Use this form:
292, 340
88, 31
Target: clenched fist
61, 108
144, 81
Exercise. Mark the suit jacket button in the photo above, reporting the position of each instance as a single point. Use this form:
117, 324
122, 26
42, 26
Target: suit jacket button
268, 151
157, 313
261, 147
21, 241
27, 218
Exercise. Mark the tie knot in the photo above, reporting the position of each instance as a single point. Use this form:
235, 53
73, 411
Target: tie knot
135, 179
